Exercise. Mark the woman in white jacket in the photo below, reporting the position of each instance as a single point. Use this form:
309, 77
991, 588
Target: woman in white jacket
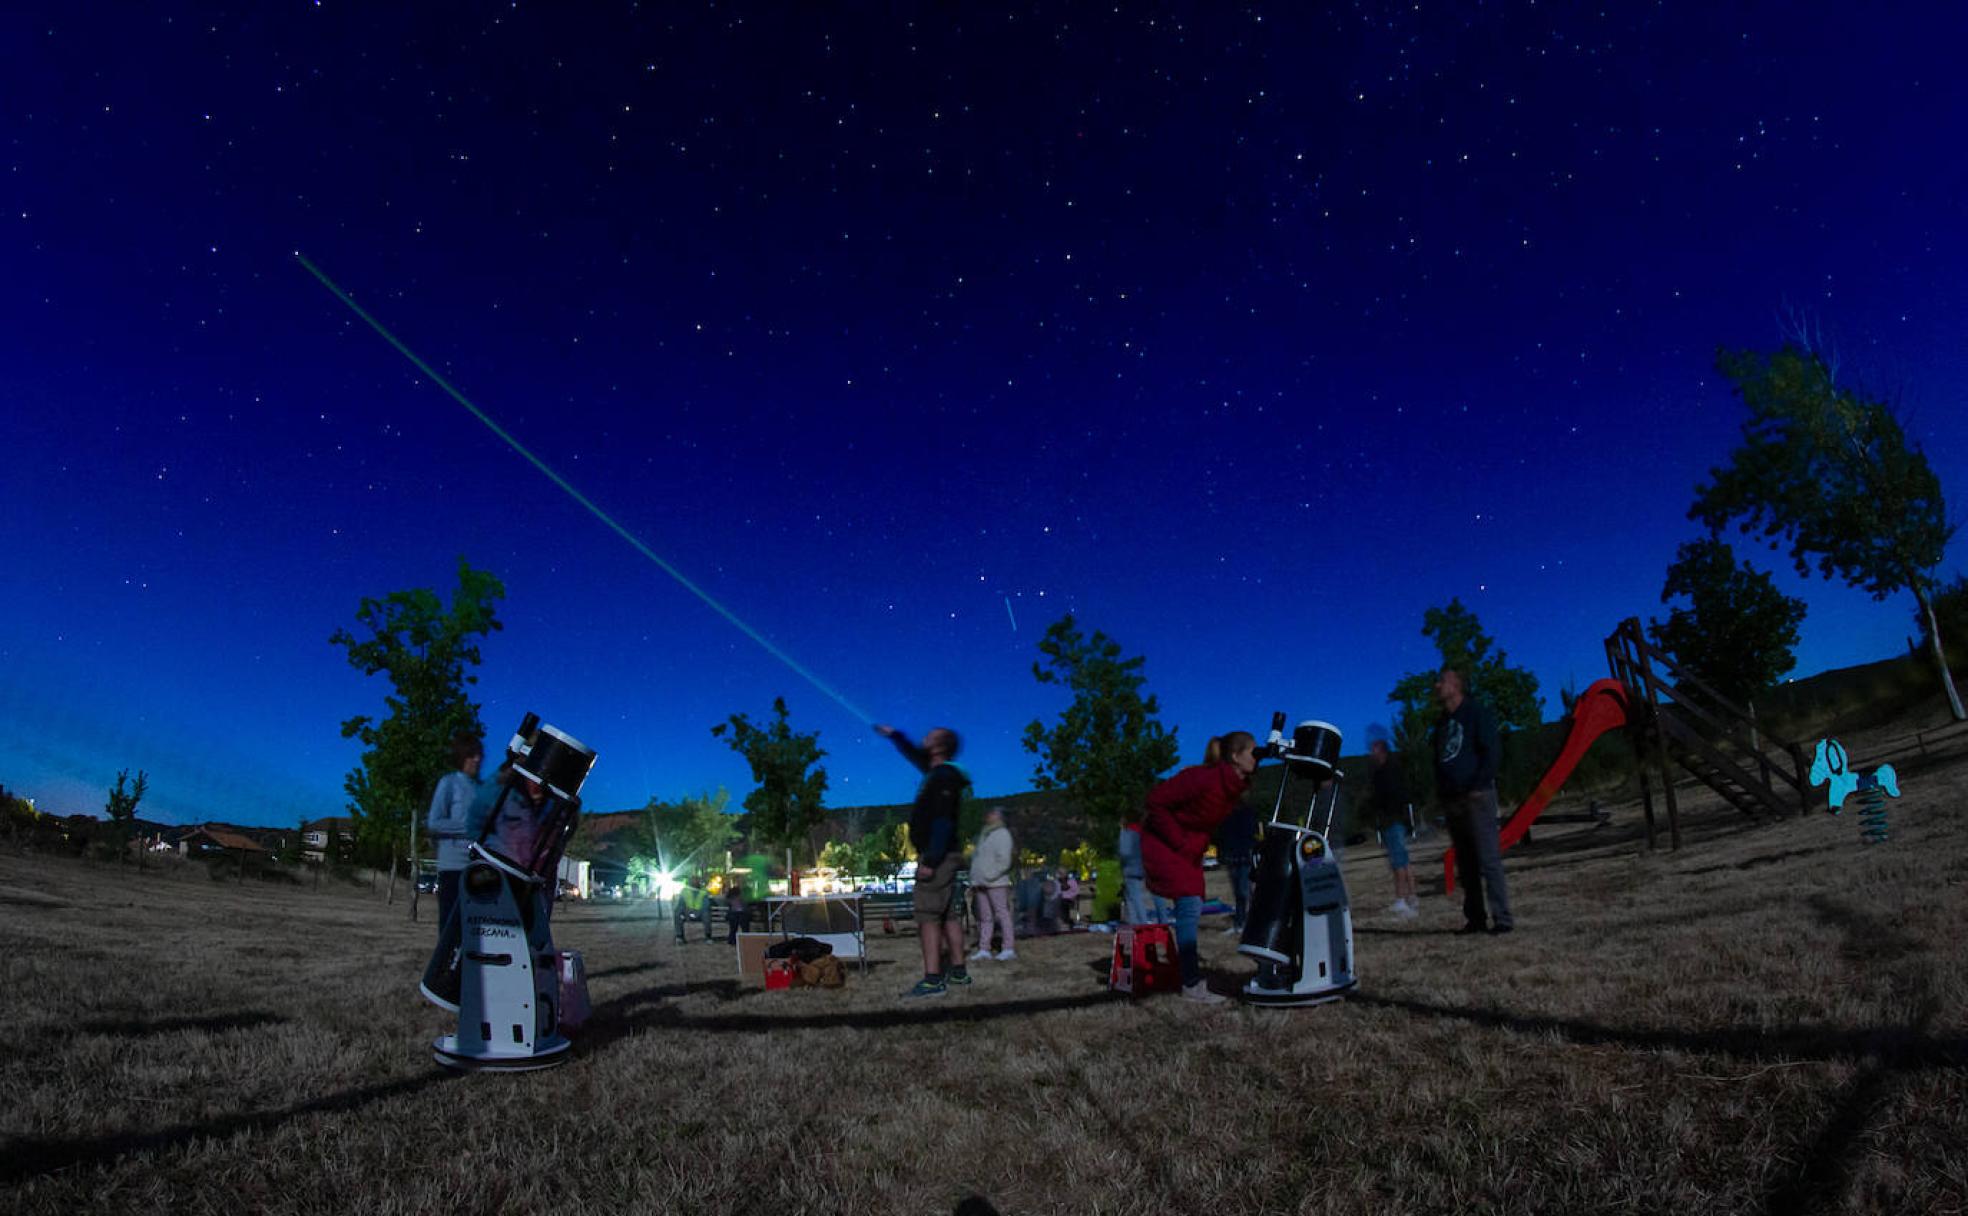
990, 883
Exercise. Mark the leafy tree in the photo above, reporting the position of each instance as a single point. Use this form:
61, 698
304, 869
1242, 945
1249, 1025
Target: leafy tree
19, 813
428, 649
786, 806
1081, 860
1107, 748
681, 838
884, 851
1737, 632
122, 808
1834, 475
1510, 692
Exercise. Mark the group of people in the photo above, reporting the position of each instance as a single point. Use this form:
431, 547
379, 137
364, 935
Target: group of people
1161, 849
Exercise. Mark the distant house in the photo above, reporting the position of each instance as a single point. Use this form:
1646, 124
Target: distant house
209, 839
316, 835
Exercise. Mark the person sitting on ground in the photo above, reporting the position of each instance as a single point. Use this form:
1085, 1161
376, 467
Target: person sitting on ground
1175, 833
933, 833
1393, 818
1069, 896
990, 884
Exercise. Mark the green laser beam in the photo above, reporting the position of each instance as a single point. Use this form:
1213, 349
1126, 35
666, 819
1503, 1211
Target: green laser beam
682, 579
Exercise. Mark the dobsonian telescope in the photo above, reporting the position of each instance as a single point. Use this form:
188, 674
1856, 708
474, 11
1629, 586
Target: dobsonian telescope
495, 965
1300, 926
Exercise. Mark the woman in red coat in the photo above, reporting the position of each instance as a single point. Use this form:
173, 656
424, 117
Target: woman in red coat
1182, 816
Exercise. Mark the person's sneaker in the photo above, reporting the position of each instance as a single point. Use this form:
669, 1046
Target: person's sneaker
1232, 931
1472, 929
1005, 955
1200, 993
957, 976
981, 953
1398, 907
927, 987
1408, 912
1499, 929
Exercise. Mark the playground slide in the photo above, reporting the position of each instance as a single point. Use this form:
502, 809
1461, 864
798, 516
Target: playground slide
1600, 708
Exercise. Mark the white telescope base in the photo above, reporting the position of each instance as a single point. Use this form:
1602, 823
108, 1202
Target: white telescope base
508, 999
446, 1050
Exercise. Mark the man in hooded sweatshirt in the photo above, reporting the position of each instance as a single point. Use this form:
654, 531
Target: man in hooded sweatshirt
1467, 753
933, 832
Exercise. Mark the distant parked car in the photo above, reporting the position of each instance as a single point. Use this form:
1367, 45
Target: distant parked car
427, 883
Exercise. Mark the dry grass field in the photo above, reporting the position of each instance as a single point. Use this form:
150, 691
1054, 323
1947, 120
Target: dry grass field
1772, 1020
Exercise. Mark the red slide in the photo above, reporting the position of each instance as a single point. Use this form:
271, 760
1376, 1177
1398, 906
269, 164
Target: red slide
1600, 708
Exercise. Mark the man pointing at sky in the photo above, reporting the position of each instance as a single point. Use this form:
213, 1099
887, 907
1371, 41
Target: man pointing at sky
935, 835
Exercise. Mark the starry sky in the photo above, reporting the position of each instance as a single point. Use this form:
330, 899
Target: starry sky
1245, 337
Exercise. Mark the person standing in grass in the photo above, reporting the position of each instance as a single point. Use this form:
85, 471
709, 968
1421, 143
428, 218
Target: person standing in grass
1467, 753
1138, 907
1182, 813
737, 913
1393, 819
1235, 843
990, 885
449, 820
933, 833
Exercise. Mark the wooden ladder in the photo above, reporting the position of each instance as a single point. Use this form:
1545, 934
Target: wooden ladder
1679, 720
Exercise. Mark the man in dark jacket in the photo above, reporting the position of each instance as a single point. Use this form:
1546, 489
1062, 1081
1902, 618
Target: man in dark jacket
935, 834
1467, 752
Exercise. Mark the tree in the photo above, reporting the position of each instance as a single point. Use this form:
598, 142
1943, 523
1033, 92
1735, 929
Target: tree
1737, 632
1950, 605
881, 852
786, 806
1510, 692
122, 808
694, 833
428, 649
1107, 748
1832, 474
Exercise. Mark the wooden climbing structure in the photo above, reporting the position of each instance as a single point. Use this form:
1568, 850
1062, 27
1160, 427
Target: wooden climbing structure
1673, 720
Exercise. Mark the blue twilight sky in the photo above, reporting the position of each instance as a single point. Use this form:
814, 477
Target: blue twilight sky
1245, 337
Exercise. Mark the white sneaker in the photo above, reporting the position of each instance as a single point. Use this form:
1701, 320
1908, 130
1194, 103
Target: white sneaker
1407, 911
1005, 955
1200, 993
981, 953
1232, 931
1398, 908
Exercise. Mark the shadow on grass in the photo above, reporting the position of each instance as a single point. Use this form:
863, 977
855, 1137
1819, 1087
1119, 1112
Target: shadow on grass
616, 1021
1898, 1047
27, 1157
631, 969
134, 1028
1762, 859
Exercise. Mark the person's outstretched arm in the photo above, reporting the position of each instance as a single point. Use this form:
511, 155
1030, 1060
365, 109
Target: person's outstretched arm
910, 752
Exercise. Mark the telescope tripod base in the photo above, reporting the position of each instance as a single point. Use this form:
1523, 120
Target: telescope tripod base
1286, 998
552, 1054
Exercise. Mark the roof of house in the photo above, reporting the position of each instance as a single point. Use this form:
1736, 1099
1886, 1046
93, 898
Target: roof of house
226, 838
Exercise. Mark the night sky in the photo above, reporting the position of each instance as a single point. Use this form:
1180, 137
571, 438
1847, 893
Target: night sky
1246, 339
